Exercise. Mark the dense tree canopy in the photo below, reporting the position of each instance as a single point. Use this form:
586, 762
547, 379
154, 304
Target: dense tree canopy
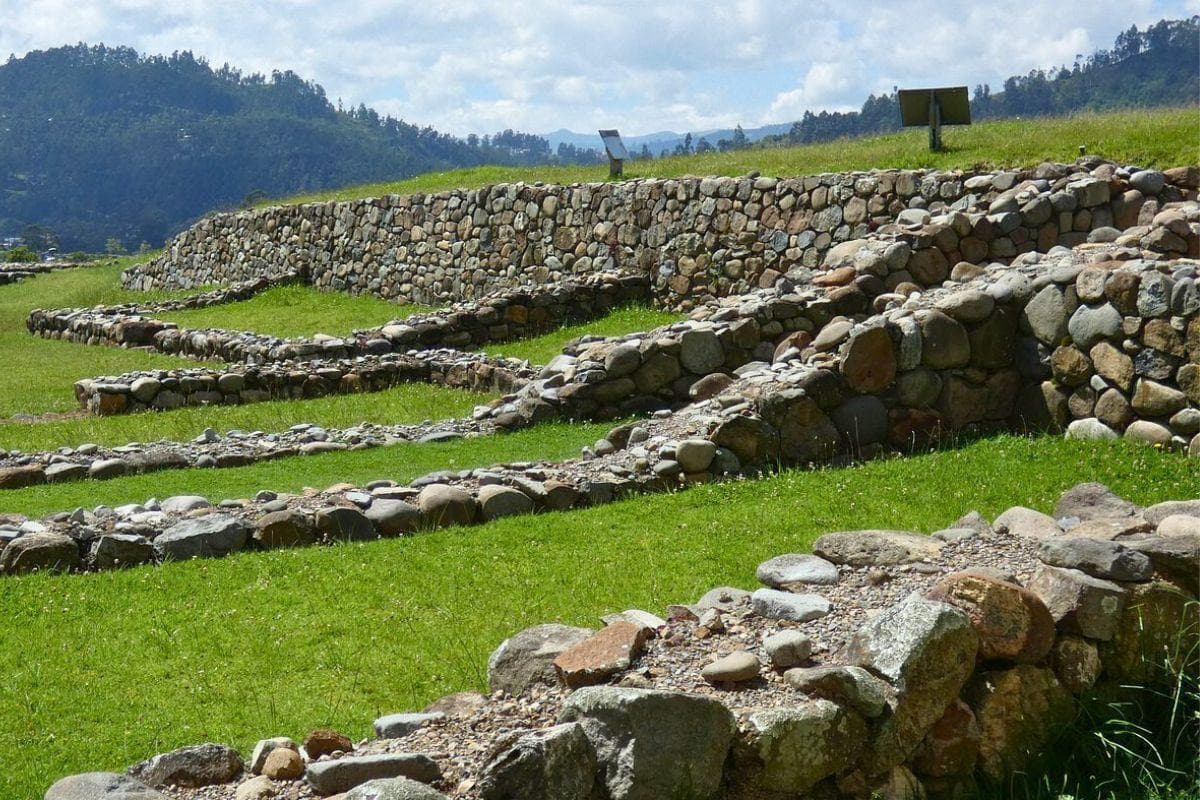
99, 142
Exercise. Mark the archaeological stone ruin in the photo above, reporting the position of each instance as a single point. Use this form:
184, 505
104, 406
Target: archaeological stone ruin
824, 319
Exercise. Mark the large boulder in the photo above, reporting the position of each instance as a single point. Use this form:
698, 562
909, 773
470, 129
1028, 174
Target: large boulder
343, 774
653, 744
1013, 623
1078, 602
875, 548
1156, 636
284, 529
1089, 501
206, 537
790, 749
445, 505
199, 765
1028, 523
393, 517
927, 651
554, 764
40, 552
1096, 557
952, 745
1174, 557
344, 524
102, 786
528, 657
1019, 710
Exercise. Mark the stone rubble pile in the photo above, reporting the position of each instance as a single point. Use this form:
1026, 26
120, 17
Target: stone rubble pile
696, 237
885, 664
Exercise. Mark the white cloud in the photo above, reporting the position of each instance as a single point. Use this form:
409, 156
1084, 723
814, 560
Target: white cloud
483, 65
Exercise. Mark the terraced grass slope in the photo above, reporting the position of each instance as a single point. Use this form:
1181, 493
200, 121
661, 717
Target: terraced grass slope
104, 669
1147, 137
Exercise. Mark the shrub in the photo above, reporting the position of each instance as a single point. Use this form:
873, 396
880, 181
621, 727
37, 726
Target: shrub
21, 255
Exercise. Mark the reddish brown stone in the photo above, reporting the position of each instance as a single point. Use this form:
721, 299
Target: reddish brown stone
869, 361
324, 741
1013, 623
837, 277
952, 745
601, 655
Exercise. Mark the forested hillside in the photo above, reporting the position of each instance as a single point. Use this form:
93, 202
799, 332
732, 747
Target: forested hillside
1156, 67
99, 142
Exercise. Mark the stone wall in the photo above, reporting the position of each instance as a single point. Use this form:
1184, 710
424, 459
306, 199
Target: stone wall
504, 315
238, 384
693, 236
885, 664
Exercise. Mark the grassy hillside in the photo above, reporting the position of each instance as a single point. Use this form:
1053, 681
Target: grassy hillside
105, 669
1148, 137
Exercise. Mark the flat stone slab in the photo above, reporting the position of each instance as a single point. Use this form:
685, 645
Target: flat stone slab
796, 568
343, 774
876, 548
774, 604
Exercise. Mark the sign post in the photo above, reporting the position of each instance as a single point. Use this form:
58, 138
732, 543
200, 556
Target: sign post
617, 154
935, 108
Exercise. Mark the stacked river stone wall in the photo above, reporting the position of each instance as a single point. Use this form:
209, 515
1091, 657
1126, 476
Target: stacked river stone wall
694, 236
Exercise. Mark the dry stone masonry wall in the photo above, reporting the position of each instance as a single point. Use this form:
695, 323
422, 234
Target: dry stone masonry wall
885, 664
694, 237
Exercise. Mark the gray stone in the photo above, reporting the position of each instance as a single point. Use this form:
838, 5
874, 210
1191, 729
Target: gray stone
207, 537
1045, 316
554, 764
395, 726
115, 550
64, 472
1148, 181
1156, 513
691, 735
284, 529
445, 505
1092, 324
1078, 602
798, 746
796, 568
1097, 558
40, 552
1090, 429
736, 667
774, 604
862, 420
1021, 521
497, 501
343, 774
926, 650
182, 504
700, 351
528, 657
265, 747
850, 686
695, 455
108, 468
393, 517
394, 789
1088, 501
724, 598
875, 548
788, 648
101, 786
341, 523
199, 765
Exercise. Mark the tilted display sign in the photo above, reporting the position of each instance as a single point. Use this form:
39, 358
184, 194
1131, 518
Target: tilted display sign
948, 105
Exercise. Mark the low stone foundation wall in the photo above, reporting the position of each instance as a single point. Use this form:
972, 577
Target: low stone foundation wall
696, 237
162, 390
504, 316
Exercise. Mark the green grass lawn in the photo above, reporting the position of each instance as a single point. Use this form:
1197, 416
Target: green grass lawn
400, 462
38, 374
290, 311
1148, 137
103, 670
540, 349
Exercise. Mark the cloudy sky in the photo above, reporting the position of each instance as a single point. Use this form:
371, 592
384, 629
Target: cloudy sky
645, 65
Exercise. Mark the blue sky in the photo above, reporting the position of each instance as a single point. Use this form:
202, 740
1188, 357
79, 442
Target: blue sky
641, 66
